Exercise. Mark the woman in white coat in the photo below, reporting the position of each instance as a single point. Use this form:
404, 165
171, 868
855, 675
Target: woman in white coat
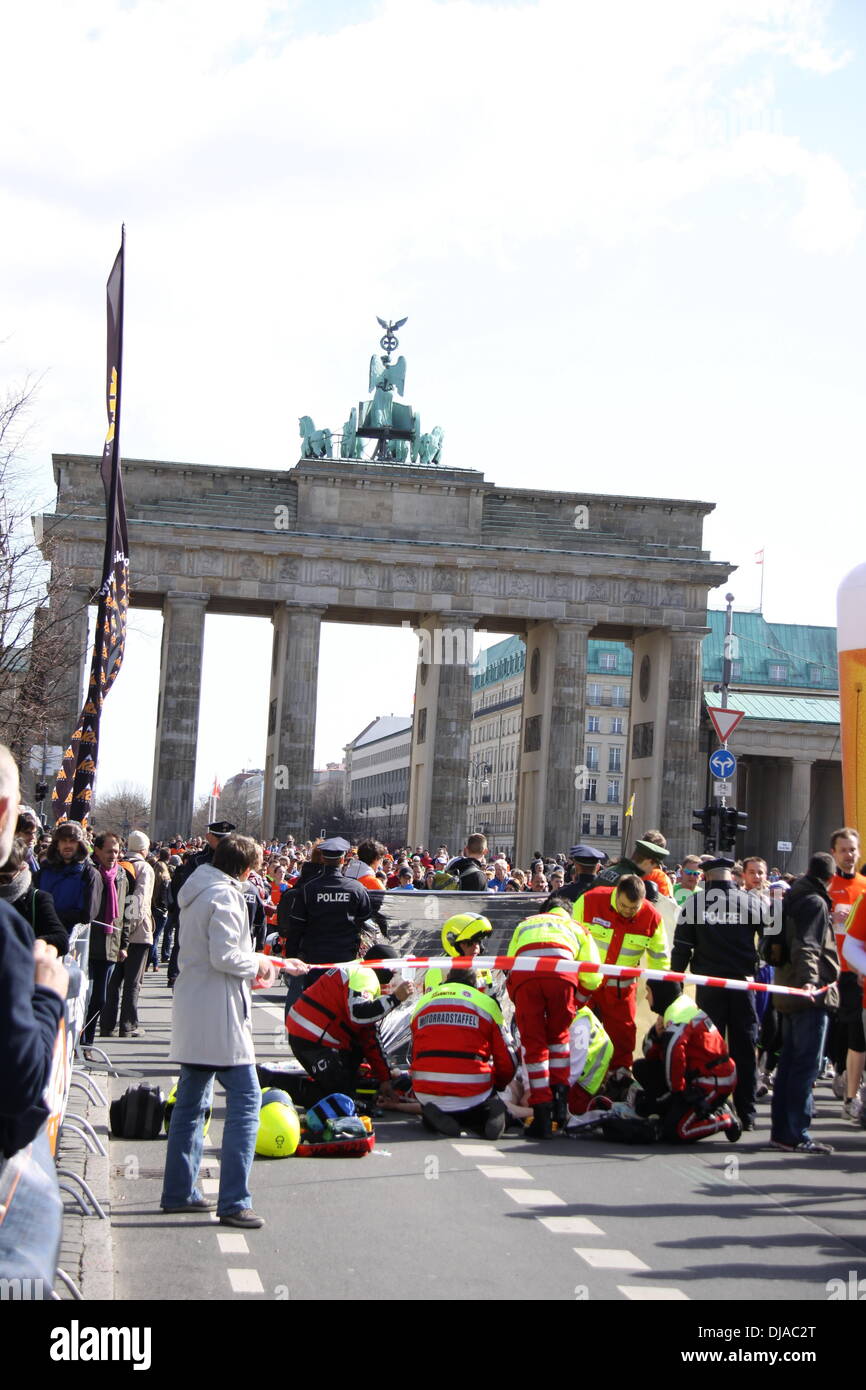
212, 1034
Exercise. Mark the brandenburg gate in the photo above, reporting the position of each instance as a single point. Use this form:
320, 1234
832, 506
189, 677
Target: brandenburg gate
400, 538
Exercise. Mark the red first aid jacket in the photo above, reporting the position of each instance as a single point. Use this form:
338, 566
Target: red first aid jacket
340, 1010
458, 1046
691, 1045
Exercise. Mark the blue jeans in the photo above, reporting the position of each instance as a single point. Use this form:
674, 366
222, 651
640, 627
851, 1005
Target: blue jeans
159, 921
101, 972
186, 1134
803, 1036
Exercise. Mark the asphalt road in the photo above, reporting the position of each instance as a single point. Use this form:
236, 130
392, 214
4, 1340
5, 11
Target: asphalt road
426, 1218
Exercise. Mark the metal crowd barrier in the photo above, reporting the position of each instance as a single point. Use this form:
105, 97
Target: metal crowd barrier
31, 1207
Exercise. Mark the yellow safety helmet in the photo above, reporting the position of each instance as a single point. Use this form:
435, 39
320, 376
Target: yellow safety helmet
279, 1132
462, 928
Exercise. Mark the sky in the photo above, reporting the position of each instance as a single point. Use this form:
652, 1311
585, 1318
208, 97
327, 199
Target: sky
629, 240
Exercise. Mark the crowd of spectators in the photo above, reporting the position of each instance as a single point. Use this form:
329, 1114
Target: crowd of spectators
127, 890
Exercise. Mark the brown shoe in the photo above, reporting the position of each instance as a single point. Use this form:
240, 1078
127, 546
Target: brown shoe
246, 1219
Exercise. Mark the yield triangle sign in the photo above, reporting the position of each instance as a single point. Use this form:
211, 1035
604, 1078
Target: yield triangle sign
725, 721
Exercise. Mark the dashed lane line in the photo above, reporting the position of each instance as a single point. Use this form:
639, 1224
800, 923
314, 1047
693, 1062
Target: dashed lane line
478, 1151
534, 1196
507, 1174
645, 1293
610, 1259
232, 1244
570, 1225
245, 1281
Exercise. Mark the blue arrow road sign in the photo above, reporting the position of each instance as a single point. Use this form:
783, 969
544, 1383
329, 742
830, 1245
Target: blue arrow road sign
723, 764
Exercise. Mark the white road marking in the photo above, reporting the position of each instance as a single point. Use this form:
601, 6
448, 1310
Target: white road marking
570, 1225
507, 1174
210, 1186
534, 1196
610, 1259
207, 1141
275, 1011
245, 1281
644, 1293
231, 1244
477, 1151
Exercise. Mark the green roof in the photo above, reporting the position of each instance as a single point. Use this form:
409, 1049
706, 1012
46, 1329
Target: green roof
495, 663
507, 658
797, 709
808, 654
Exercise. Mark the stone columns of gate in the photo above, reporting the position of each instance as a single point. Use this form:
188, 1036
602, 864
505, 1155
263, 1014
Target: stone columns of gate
552, 729
683, 777
439, 765
177, 715
292, 722
800, 815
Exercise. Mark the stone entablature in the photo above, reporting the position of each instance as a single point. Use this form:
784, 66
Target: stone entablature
391, 543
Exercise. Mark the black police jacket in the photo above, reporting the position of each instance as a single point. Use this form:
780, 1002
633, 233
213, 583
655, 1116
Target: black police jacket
327, 918
716, 932
578, 886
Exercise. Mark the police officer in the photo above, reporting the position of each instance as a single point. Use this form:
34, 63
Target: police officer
646, 856
329, 914
216, 831
716, 934
585, 865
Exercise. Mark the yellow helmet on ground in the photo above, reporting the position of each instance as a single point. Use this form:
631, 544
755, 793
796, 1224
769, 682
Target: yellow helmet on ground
279, 1127
459, 930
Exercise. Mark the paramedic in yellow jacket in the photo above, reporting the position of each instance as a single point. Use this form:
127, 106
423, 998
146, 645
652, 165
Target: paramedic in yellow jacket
625, 928
545, 1004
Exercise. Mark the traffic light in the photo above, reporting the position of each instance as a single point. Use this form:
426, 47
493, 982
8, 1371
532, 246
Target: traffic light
733, 823
41, 790
705, 823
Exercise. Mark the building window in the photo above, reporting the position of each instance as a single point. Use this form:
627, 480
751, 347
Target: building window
422, 725
613, 792
586, 823
591, 789
592, 757
736, 670
532, 734
599, 825
614, 760
778, 672
616, 724
593, 724
617, 695
614, 827
816, 675
608, 661
642, 741
593, 693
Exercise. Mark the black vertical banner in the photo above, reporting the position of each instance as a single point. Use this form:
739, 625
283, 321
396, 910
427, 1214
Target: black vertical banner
73, 789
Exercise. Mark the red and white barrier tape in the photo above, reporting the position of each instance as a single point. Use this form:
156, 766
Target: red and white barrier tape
553, 965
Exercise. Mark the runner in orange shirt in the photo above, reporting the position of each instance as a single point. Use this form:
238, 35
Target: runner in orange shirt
845, 888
